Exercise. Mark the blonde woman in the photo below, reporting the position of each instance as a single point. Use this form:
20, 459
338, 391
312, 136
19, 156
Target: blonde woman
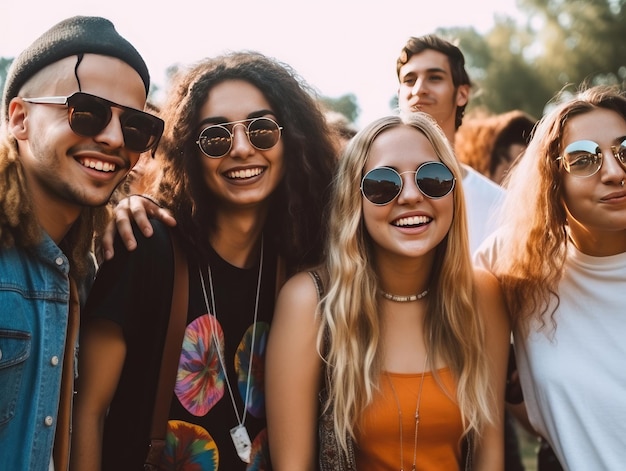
409, 343
561, 258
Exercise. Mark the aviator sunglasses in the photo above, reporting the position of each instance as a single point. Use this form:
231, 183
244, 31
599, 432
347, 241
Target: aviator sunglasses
382, 185
89, 115
215, 141
584, 158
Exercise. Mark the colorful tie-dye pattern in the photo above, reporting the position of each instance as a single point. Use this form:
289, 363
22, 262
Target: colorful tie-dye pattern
259, 453
189, 447
256, 400
200, 379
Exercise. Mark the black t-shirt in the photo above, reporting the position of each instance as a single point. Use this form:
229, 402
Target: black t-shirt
134, 290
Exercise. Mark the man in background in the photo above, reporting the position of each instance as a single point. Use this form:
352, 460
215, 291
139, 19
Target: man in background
433, 79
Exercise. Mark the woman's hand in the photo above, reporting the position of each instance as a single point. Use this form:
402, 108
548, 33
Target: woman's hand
137, 208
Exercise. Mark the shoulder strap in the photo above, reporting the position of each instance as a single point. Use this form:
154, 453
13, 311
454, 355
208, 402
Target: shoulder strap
317, 280
171, 355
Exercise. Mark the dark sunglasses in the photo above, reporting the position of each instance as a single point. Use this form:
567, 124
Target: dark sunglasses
584, 158
89, 115
215, 141
382, 185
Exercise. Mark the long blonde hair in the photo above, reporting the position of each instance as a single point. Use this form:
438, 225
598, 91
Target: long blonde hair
534, 222
349, 336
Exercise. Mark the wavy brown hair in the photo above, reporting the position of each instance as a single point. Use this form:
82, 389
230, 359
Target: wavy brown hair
484, 140
534, 224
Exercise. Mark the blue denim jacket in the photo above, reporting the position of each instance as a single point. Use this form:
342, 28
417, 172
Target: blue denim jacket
34, 306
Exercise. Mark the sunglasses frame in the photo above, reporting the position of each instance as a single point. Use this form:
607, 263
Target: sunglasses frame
127, 113
416, 172
598, 153
232, 134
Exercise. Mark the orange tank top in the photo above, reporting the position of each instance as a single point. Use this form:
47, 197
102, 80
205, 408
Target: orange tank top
440, 427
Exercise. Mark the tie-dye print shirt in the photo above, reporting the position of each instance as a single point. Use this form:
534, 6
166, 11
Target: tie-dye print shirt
134, 290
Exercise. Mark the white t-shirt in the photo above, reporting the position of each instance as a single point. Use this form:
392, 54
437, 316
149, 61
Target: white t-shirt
574, 377
483, 199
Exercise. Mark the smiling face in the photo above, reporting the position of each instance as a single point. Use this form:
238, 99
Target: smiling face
596, 205
426, 85
245, 176
412, 225
62, 167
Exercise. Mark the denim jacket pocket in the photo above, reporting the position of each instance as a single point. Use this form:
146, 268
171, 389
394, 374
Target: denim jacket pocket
14, 350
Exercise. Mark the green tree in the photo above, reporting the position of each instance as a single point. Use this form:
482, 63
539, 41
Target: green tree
5, 63
561, 43
345, 104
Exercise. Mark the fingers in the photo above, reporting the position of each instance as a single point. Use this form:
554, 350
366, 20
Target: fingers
137, 209
105, 249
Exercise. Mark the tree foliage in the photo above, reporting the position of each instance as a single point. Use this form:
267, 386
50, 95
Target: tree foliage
560, 43
4, 69
345, 104
522, 64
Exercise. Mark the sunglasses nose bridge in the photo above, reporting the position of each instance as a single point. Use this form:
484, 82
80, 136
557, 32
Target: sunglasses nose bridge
410, 190
112, 133
611, 167
240, 140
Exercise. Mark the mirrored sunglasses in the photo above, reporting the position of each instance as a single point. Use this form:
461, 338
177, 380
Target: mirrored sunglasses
584, 158
215, 141
382, 185
89, 115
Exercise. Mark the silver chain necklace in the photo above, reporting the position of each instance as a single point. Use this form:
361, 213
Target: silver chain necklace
417, 417
239, 433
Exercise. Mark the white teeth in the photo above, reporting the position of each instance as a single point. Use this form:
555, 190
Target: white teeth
247, 173
98, 165
412, 221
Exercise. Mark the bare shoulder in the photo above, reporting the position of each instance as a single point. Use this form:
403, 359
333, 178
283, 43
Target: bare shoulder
489, 296
298, 296
486, 282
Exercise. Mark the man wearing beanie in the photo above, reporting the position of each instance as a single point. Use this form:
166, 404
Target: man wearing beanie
72, 128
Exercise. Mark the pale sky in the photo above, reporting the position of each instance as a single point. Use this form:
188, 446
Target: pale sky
337, 46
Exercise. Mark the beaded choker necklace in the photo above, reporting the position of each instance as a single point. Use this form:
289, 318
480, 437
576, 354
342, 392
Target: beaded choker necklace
403, 299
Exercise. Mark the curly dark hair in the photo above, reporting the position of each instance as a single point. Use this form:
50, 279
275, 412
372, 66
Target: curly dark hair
296, 223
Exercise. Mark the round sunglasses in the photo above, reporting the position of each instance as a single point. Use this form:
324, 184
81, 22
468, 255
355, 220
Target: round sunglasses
584, 158
88, 115
215, 141
382, 185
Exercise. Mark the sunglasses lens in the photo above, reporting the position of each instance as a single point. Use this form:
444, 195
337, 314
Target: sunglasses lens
88, 115
583, 164
215, 141
434, 179
263, 133
620, 153
381, 185
140, 130
582, 158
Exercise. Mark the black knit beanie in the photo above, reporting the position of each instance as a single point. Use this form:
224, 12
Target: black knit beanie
72, 36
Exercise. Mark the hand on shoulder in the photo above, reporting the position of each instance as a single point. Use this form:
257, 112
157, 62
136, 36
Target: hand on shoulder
137, 209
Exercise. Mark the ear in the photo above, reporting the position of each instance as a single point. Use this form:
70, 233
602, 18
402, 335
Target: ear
462, 95
18, 119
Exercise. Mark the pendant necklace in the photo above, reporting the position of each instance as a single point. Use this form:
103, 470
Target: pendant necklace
417, 417
238, 433
403, 299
